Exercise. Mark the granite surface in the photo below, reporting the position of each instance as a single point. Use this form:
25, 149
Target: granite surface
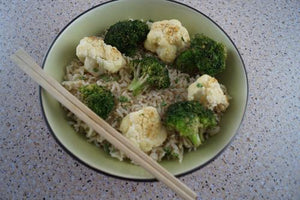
263, 161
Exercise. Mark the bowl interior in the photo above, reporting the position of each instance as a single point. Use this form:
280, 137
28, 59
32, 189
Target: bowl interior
93, 22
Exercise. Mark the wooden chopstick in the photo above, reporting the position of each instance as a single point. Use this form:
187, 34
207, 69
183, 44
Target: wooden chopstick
28, 65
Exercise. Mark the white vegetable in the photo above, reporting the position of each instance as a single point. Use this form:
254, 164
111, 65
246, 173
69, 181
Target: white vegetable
167, 38
99, 57
144, 128
207, 90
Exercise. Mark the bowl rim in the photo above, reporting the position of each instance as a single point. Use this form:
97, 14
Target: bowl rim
141, 179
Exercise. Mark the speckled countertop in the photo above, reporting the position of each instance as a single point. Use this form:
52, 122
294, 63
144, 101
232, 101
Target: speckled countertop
263, 161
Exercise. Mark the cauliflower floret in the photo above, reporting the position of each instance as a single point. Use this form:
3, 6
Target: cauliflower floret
144, 128
207, 90
99, 57
167, 38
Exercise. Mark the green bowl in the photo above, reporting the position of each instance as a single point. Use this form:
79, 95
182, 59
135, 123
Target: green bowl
93, 22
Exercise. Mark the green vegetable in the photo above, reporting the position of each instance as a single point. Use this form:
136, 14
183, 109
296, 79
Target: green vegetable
163, 104
188, 79
169, 153
82, 77
127, 35
98, 99
190, 119
205, 56
106, 146
116, 78
123, 99
105, 77
95, 69
199, 85
148, 73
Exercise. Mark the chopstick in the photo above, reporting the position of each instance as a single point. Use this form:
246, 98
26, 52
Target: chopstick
28, 65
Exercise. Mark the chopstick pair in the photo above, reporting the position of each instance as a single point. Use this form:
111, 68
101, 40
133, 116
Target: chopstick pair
28, 65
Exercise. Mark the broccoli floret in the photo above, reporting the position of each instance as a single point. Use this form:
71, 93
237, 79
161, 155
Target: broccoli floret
190, 119
185, 62
98, 99
149, 72
127, 35
205, 56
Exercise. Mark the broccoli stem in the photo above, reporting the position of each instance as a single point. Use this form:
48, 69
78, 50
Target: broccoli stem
195, 139
202, 137
138, 85
135, 86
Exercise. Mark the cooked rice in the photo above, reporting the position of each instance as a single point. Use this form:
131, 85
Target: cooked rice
174, 146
